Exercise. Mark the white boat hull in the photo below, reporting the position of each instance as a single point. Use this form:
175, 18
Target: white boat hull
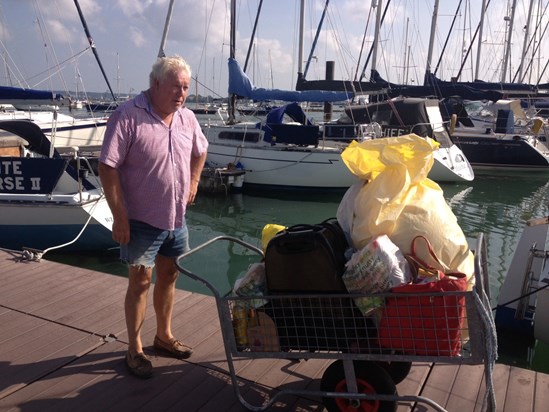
41, 224
299, 168
451, 165
313, 167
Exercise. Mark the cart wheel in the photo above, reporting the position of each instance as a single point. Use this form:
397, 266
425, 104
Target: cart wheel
396, 370
371, 379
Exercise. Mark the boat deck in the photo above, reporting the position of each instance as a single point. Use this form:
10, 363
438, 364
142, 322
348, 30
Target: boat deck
63, 340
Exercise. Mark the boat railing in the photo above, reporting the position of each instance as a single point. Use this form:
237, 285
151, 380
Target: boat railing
86, 168
530, 282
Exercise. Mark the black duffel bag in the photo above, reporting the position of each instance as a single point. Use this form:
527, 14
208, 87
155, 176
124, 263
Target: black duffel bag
310, 260
307, 258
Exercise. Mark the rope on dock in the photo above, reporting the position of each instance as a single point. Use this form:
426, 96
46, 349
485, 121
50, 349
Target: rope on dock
486, 316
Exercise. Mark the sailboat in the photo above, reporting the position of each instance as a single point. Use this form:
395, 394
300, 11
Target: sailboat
64, 130
293, 154
48, 201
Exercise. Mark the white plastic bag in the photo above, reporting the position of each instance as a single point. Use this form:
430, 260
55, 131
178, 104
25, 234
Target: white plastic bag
377, 267
252, 284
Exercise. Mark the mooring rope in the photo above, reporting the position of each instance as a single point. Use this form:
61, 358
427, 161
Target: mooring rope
491, 342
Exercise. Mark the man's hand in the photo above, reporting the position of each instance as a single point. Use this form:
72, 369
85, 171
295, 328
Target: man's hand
121, 230
192, 192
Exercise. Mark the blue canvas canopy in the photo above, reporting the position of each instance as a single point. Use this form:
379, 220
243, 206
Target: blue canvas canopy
293, 110
304, 133
240, 85
8, 94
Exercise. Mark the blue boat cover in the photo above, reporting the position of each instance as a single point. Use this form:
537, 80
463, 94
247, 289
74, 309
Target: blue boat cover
293, 110
17, 93
240, 85
275, 120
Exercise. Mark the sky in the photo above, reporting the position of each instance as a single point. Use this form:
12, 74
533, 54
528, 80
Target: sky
44, 46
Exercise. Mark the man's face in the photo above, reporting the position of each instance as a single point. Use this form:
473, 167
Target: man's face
173, 91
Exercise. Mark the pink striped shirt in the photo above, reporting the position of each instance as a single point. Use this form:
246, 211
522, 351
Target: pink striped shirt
153, 160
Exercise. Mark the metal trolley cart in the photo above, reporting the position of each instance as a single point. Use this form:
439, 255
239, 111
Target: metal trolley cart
372, 345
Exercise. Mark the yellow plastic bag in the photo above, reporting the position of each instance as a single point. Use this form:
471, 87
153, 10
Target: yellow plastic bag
400, 201
268, 232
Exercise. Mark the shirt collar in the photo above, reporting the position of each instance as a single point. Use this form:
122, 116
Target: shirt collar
142, 102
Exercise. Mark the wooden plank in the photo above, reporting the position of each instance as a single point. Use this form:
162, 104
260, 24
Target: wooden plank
541, 396
78, 386
500, 381
138, 393
520, 394
15, 324
53, 289
413, 384
440, 380
464, 392
11, 260
20, 295
53, 357
34, 364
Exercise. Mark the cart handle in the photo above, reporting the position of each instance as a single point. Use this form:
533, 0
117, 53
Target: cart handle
208, 243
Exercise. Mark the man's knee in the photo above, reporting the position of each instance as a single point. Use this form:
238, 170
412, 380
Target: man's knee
166, 269
140, 278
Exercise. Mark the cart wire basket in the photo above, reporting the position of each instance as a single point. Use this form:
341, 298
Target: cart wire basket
372, 338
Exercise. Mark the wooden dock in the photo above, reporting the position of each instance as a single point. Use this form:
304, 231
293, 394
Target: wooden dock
63, 341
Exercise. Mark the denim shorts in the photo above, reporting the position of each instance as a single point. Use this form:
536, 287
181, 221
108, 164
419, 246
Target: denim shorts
147, 241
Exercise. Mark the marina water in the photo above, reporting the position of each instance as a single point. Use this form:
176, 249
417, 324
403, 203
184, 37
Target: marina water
497, 204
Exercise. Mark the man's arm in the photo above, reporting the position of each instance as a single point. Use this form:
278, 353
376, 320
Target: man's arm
197, 164
110, 180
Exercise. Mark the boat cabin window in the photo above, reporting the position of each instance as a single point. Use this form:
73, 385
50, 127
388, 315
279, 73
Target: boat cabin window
241, 136
382, 117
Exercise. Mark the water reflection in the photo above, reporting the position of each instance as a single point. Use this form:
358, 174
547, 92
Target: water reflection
244, 216
498, 206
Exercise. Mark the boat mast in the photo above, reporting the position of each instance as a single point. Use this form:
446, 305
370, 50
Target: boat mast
92, 45
161, 52
526, 35
252, 38
431, 43
450, 30
379, 22
232, 41
479, 25
479, 46
376, 34
508, 44
300, 45
316, 35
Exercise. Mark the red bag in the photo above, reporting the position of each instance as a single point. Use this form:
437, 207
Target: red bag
421, 319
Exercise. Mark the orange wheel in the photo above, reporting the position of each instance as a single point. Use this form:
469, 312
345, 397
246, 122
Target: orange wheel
371, 379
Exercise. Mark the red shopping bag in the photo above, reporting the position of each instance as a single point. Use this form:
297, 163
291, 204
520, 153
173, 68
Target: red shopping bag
423, 318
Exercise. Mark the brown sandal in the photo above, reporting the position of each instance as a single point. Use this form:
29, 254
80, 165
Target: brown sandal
139, 365
174, 347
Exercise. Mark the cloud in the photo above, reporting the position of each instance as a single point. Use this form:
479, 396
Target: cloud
136, 37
